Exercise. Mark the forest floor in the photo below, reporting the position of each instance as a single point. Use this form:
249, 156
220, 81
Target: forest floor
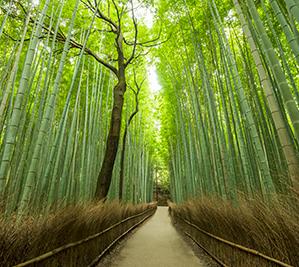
156, 243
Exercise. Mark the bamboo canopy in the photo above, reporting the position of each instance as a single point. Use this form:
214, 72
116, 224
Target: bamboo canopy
225, 122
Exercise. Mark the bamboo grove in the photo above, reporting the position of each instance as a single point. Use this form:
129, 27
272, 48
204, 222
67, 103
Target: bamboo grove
56, 104
231, 98
228, 109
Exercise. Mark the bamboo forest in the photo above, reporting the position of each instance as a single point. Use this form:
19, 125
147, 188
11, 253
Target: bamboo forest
149, 133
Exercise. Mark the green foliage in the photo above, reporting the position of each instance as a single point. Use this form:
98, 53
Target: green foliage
212, 130
58, 141
217, 120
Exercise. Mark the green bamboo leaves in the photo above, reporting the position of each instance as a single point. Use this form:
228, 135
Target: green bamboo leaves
280, 123
278, 73
55, 108
15, 118
230, 103
233, 132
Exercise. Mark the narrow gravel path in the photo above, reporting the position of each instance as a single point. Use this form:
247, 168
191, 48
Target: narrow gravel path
156, 244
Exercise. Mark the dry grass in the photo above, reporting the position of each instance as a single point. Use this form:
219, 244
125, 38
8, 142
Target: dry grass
270, 229
37, 235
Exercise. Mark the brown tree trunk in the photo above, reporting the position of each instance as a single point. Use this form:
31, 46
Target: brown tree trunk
122, 159
105, 175
122, 165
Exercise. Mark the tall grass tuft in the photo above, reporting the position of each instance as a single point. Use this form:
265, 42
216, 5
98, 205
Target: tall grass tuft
36, 235
272, 229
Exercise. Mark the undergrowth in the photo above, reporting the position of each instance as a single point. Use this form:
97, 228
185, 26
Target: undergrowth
36, 235
272, 229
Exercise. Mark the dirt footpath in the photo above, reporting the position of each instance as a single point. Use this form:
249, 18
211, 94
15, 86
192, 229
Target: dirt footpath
156, 244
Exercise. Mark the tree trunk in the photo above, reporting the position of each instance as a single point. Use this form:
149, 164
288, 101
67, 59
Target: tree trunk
122, 164
105, 176
122, 159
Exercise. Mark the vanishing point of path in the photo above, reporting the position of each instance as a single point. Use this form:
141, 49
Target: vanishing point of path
156, 244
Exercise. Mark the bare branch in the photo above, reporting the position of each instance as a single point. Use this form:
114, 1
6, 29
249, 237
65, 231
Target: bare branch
75, 44
141, 54
135, 36
117, 13
103, 30
138, 87
145, 42
100, 14
136, 83
62, 38
16, 40
132, 89
148, 43
123, 10
156, 44
122, 160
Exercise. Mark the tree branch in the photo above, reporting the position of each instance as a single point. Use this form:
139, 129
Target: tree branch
100, 15
75, 44
147, 43
135, 37
136, 93
117, 12
122, 159
62, 38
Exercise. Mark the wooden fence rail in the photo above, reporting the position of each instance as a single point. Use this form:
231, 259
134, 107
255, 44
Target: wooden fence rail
67, 255
248, 256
